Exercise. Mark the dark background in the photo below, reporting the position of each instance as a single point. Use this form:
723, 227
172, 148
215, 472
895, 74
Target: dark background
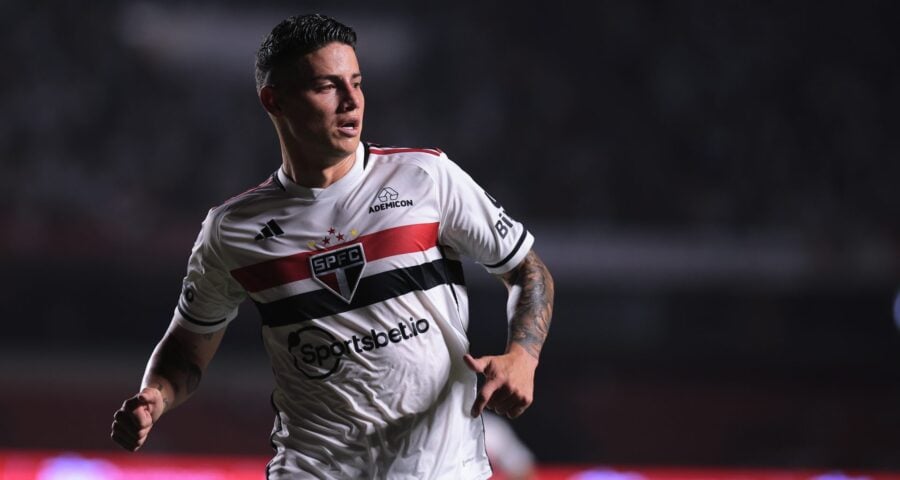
713, 185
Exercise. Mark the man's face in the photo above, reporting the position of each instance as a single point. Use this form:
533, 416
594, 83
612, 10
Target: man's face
323, 107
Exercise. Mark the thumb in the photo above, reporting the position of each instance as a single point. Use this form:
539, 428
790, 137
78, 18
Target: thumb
136, 411
150, 401
477, 365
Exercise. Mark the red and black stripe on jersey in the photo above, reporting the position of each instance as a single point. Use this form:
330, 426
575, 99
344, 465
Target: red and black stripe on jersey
371, 289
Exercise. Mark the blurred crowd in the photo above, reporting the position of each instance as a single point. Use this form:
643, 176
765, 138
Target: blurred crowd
681, 115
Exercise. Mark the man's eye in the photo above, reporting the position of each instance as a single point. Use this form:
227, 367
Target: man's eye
322, 88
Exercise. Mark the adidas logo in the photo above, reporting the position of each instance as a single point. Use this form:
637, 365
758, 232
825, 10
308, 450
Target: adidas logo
270, 230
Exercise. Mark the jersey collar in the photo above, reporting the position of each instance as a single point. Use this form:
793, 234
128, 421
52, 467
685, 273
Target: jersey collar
346, 182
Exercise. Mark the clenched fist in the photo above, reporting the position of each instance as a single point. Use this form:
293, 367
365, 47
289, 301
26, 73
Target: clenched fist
132, 422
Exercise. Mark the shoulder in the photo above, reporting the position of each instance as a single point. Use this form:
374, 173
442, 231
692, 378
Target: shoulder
407, 153
423, 157
433, 160
269, 187
242, 201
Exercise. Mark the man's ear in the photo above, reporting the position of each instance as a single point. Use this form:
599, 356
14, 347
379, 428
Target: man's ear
269, 99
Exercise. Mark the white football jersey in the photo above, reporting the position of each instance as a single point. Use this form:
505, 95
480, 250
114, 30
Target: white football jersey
364, 311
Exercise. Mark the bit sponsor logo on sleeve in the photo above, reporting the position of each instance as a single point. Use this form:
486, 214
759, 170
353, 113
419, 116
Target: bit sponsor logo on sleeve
504, 224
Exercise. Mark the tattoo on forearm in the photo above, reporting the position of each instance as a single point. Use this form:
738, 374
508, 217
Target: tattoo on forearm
175, 363
530, 320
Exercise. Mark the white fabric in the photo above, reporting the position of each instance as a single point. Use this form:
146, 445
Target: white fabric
370, 378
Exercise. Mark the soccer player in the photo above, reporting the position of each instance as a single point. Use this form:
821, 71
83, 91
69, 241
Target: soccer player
351, 253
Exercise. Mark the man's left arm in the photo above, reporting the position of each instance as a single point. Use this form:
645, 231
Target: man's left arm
509, 378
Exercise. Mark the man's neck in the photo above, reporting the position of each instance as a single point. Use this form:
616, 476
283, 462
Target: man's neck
316, 174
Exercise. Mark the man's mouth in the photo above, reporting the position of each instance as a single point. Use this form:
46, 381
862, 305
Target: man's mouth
349, 128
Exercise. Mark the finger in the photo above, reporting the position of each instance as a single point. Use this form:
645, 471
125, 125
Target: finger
483, 397
124, 426
516, 405
150, 396
516, 412
126, 444
131, 431
124, 433
126, 418
124, 440
139, 417
126, 421
135, 402
512, 406
143, 417
501, 401
128, 437
477, 365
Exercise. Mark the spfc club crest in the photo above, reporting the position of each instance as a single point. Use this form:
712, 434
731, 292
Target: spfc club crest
339, 270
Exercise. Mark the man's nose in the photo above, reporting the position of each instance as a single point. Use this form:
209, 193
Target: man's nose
351, 98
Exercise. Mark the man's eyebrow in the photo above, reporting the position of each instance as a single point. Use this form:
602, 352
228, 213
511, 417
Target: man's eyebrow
335, 77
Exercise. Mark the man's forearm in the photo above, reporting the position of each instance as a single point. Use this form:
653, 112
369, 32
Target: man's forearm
177, 365
172, 370
530, 304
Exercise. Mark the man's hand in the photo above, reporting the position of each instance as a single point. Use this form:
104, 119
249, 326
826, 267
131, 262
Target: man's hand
509, 381
132, 422
509, 386
172, 375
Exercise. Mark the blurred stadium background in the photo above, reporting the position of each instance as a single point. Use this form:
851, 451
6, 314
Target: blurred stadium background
713, 184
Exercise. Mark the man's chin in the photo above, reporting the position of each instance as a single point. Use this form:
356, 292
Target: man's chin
347, 146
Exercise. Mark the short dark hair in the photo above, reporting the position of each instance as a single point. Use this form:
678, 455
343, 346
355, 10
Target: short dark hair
294, 37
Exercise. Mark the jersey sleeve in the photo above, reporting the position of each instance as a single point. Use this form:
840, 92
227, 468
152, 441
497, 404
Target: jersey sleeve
475, 224
210, 296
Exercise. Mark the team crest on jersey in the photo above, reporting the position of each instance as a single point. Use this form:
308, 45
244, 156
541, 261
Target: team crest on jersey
339, 270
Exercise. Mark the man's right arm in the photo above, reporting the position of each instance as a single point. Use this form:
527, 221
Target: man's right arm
172, 375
